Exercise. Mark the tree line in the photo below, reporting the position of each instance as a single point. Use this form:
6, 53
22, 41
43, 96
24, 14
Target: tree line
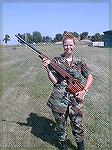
36, 37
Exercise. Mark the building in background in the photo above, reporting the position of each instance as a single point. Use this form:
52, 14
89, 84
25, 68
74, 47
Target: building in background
108, 38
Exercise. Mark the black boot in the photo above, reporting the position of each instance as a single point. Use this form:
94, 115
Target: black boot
80, 145
63, 145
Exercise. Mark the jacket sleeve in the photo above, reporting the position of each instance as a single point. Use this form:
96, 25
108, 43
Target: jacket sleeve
85, 70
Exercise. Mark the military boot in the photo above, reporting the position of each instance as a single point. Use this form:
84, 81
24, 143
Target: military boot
80, 145
63, 145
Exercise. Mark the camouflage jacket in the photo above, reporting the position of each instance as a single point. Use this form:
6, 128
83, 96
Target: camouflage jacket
59, 98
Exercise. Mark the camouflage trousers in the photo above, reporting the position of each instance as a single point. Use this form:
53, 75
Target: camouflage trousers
75, 114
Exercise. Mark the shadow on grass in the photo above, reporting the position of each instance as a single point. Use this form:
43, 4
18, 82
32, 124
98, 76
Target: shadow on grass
44, 129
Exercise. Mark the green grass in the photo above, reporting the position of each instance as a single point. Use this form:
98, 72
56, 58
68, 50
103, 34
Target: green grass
23, 74
110, 97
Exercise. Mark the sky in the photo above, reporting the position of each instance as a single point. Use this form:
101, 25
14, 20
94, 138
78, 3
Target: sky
52, 18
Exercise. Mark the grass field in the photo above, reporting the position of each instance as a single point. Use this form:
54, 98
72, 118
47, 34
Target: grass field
26, 120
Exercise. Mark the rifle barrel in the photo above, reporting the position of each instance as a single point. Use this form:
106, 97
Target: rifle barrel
31, 46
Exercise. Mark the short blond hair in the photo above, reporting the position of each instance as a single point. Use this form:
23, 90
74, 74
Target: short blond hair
68, 35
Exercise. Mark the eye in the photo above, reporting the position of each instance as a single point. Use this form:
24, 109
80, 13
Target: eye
68, 45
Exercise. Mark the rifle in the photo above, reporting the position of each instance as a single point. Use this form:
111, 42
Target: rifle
74, 85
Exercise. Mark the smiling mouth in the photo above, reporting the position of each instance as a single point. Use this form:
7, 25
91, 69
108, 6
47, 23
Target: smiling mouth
69, 50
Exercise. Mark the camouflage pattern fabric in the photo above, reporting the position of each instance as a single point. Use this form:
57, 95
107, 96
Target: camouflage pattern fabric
63, 103
75, 113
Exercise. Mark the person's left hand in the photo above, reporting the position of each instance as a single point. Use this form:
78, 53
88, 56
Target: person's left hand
80, 95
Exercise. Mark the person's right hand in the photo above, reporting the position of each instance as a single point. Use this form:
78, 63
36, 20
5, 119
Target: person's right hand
45, 62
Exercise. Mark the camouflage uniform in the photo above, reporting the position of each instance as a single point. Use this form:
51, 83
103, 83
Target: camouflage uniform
63, 103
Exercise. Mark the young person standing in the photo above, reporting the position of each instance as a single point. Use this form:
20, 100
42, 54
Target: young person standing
63, 103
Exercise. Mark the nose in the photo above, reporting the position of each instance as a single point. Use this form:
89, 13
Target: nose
68, 46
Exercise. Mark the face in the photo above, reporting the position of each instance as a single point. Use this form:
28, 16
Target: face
68, 46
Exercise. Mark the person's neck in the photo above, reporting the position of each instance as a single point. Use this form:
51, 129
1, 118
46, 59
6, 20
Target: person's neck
69, 56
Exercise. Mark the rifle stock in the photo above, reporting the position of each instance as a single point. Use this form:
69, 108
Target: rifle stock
74, 85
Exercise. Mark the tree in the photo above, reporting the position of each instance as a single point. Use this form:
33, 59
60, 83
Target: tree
92, 38
102, 37
37, 37
58, 37
7, 38
76, 35
48, 39
97, 37
28, 38
44, 39
21, 36
83, 35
